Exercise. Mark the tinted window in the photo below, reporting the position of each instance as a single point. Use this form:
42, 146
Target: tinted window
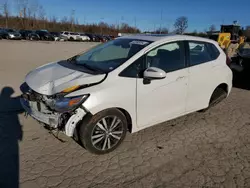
134, 70
214, 52
199, 53
168, 57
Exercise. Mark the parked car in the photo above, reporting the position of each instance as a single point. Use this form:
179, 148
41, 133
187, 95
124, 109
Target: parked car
241, 62
44, 35
100, 38
84, 37
127, 84
10, 34
3, 34
112, 37
72, 36
91, 37
29, 35
107, 37
58, 36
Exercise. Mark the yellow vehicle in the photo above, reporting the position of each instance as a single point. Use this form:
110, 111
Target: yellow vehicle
229, 39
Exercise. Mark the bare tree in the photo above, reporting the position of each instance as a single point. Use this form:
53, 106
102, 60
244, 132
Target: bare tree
22, 7
181, 24
212, 28
6, 13
72, 19
64, 20
41, 13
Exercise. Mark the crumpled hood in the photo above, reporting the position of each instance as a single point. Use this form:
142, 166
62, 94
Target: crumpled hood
53, 78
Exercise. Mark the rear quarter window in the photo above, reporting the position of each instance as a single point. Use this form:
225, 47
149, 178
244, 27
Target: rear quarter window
202, 52
198, 53
214, 52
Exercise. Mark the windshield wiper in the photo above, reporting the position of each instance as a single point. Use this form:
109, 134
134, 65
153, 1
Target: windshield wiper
72, 58
94, 69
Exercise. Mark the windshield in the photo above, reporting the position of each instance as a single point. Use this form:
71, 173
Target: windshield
10, 30
108, 56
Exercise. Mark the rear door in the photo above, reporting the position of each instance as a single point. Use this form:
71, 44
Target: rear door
201, 74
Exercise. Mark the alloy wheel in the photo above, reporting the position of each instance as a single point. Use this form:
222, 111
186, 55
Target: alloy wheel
107, 133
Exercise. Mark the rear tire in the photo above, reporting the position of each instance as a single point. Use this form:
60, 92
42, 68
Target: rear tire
218, 95
103, 132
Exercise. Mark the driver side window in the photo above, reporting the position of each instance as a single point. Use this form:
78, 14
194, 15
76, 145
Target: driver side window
168, 57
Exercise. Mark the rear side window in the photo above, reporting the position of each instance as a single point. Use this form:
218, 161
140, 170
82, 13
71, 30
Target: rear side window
214, 52
199, 53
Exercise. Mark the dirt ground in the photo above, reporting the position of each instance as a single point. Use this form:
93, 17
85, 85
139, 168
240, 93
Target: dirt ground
210, 149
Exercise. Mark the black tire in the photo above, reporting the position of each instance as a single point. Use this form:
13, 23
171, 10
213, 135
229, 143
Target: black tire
218, 95
91, 128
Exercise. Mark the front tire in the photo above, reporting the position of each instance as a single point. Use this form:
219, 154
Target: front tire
103, 132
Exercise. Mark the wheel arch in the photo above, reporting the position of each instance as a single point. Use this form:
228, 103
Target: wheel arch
223, 86
129, 119
123, 110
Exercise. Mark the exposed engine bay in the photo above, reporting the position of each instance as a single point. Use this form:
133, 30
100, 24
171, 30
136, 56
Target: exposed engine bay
54, 111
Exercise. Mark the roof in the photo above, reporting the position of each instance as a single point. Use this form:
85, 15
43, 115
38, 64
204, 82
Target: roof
148, 37
157, 37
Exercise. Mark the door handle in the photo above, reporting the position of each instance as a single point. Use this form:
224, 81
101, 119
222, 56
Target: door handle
179, 78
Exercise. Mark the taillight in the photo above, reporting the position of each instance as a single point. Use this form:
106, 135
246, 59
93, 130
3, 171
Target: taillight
228, 61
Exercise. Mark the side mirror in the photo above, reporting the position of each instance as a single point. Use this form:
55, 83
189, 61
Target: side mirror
153, 73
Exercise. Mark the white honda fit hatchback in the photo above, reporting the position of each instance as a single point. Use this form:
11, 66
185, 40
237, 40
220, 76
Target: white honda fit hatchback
127, 84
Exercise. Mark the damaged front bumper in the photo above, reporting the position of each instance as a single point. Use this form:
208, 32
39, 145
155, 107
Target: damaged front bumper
54, 119
49, 119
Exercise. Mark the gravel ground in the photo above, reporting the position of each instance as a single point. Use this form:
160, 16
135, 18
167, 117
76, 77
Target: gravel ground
209, 149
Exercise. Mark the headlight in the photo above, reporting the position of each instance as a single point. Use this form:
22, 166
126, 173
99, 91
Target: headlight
11, 35
69, 103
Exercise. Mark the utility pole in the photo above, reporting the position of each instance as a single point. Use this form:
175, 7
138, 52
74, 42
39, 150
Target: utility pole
135, 22
72, 19
101, 24
84, 20
161, 21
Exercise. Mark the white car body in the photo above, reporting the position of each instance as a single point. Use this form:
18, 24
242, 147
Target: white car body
71, 35
179, 93
84, 37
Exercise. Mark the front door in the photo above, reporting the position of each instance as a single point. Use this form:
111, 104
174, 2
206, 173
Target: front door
163, 99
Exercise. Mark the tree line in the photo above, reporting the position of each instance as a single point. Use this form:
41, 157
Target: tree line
33, 17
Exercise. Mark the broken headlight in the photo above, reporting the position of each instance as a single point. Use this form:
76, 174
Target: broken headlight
66, 104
